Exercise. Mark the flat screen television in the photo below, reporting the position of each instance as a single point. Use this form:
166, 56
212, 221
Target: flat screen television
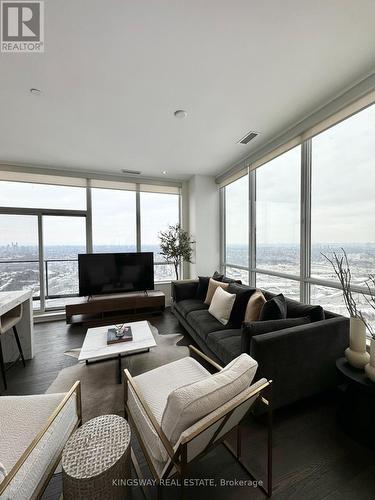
101, 273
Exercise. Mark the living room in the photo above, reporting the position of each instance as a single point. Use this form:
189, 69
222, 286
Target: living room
187, 249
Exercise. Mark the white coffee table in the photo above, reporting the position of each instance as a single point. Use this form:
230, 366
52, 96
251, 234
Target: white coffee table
95, 346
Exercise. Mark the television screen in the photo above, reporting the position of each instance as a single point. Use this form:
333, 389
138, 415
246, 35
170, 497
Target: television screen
101, 273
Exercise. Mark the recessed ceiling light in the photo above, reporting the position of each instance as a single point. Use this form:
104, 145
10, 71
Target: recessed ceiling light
180, 113
164, 172
35, 91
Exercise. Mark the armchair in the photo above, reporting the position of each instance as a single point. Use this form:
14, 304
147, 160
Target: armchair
180, 411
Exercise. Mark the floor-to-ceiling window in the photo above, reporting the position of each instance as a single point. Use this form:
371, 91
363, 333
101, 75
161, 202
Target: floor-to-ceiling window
45, 225
314, 199
236, 228
277, 235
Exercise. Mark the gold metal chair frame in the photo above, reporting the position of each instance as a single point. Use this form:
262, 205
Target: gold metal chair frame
178, 457
76, 388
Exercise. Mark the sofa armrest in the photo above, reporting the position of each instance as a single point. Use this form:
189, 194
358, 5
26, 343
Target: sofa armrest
301, 360
184, 289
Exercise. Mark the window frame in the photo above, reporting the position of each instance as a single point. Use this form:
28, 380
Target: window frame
87, 214
304, 277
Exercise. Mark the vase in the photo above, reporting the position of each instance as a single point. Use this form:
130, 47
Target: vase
356, 353
370, 367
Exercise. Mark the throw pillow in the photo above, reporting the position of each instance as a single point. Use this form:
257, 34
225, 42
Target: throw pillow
253, 328
297, 309
189, 403
202, 287
212, 285
243, 294
220, 277
274, 308
254, 306
221, 305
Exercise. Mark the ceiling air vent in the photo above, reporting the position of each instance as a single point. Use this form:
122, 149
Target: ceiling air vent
248, 137
130, 172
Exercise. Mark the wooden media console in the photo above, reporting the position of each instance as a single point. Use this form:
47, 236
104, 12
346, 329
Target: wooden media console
115, 308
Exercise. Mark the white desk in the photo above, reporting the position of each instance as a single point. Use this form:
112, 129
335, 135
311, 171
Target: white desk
25, 327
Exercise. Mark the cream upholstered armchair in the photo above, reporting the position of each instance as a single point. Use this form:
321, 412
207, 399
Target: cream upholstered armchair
180, 411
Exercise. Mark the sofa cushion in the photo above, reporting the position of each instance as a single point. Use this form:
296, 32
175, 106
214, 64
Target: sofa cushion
155, 387
274, 308
243, 294
189, 403
297, 310
212, 285
259, 327
221, 305
225, 344
204, 323
188, 305
225, 279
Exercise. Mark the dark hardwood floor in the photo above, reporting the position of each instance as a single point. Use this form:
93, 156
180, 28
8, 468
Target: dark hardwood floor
313, 458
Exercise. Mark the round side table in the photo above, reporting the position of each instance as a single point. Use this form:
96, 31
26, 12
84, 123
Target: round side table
356, 411
96, 460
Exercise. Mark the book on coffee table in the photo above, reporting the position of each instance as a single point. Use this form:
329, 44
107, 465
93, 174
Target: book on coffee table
114, 338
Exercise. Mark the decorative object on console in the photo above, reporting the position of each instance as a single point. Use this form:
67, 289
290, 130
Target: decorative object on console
176, 246
356, 353
274, 308
212, 285
221, 305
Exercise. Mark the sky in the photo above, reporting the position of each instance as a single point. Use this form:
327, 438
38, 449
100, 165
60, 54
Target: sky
343, 182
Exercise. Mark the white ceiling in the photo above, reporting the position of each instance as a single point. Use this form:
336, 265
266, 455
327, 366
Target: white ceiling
114, 71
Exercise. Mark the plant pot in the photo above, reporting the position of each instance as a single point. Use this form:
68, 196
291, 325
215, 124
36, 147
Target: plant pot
356, 353
370, 367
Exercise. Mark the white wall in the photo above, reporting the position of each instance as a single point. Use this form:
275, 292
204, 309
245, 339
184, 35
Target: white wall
204, 224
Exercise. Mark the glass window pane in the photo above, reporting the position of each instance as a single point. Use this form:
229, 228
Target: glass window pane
237, 274
237, 222
343, 178
114, 220
19, 264
278, 213
274, 284
27, 195
64, 238
333, 300
158, 211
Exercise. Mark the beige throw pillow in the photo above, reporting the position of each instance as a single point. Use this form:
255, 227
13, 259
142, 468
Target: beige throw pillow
222, 305
191, 402
254, 306
212, 285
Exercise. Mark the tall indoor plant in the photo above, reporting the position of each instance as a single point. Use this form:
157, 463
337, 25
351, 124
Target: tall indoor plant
356, 353
370, 299
176, 246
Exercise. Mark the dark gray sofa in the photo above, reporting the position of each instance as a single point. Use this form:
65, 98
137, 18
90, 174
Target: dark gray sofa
300, 360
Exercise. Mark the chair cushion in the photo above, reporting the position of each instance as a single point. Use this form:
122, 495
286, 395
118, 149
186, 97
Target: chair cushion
155, 387
191, 402
254, 306
221, 305
204, 323
188, 305
225, 344
274, 308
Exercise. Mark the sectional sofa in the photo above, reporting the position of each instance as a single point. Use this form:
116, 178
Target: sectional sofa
299, 359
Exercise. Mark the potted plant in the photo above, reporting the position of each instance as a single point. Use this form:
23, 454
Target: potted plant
370, 367
176, 246
356, 353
